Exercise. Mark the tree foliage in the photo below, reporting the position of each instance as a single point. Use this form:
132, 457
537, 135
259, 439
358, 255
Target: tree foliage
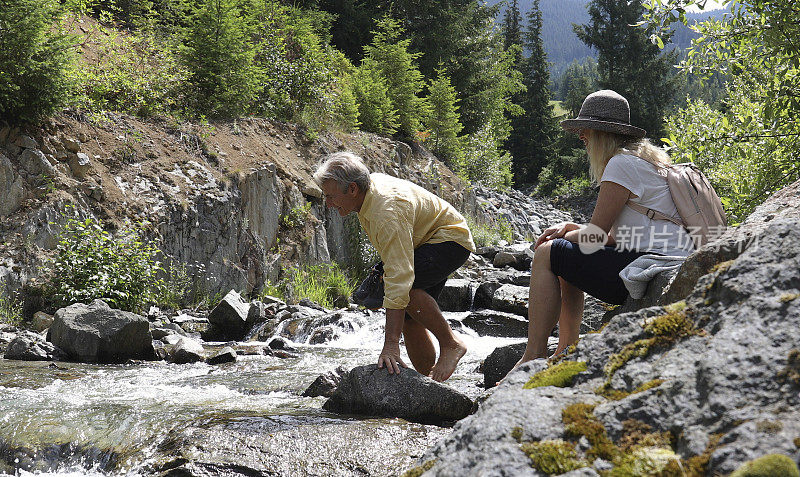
750, 148
36, 60
223, 78
531, 142
444, 121
628, 62
404, 82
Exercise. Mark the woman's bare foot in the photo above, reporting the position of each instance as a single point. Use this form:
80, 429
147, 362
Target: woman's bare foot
448, 360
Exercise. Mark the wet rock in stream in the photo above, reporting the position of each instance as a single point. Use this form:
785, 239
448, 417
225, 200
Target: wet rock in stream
372, 391
252, 445
99, 334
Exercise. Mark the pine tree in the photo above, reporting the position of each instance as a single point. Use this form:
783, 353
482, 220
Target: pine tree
444, 123
223, 80
35, 60
512, 27
629, 63
534, 132
376, 113
403, 79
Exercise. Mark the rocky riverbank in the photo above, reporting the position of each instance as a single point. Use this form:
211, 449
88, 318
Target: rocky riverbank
697, 387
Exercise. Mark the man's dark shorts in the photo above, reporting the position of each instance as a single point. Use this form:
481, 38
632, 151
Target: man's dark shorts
595, 273
434, 262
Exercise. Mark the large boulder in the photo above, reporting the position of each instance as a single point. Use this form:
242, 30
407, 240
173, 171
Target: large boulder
369, 390
99, 334
229, 318
712, 381
28, 346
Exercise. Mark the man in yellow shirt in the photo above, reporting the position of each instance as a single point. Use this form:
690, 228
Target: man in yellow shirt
421, 239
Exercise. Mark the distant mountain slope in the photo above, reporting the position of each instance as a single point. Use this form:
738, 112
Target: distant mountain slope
561, 43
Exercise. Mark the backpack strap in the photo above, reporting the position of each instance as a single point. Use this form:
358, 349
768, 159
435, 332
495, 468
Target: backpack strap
653, 214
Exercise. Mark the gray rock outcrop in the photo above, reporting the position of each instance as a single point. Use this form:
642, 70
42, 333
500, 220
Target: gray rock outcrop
96, 333
718, 372
11, 188
368, 390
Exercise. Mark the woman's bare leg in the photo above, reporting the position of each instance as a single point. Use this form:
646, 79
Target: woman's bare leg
544, 304
569, 321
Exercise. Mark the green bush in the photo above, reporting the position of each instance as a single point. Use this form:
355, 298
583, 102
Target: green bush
177, 289
487, 234
324, 284
484, 162
36, 58
10, 307
90, 263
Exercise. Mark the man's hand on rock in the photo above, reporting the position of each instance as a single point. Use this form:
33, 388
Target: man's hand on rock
390, 357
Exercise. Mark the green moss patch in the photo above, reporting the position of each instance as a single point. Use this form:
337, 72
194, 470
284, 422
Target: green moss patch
664, 331
561, 375
420, 469
772, 465
641, 450
553, 457
516, 434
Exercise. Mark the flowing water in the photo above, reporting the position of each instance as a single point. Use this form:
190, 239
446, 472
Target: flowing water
143, 419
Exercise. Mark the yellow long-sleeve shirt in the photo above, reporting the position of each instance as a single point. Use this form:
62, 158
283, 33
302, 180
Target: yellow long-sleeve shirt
399, 216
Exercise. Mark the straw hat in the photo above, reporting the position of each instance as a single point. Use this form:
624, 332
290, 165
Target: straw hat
604, 110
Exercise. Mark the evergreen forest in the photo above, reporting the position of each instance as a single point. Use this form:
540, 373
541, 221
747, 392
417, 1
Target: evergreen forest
470, 81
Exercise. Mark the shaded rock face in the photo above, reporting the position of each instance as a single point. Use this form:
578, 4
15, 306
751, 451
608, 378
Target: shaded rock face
369, 390
229, 318
99, 334
500, 361
456, 295
734, 373
326, 383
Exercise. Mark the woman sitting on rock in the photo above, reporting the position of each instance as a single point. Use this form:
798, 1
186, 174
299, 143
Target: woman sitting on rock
571, 259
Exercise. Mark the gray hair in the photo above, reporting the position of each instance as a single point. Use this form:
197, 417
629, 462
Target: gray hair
344, 168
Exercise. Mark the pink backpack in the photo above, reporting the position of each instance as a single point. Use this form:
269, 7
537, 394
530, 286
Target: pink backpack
699, 207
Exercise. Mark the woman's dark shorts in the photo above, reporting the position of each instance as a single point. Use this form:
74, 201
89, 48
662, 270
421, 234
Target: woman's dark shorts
596, 273
434, 262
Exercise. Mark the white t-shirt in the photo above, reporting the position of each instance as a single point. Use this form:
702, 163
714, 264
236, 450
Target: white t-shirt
635, 231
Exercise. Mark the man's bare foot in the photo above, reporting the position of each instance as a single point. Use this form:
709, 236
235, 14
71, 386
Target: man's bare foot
448, 361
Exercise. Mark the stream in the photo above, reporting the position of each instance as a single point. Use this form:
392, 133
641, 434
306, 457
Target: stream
242, 418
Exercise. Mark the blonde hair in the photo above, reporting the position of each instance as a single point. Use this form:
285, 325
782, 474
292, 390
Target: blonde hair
602, 146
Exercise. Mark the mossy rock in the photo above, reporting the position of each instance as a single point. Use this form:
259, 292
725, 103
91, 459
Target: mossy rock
560, 375
420, 469
772, 465
553, 457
